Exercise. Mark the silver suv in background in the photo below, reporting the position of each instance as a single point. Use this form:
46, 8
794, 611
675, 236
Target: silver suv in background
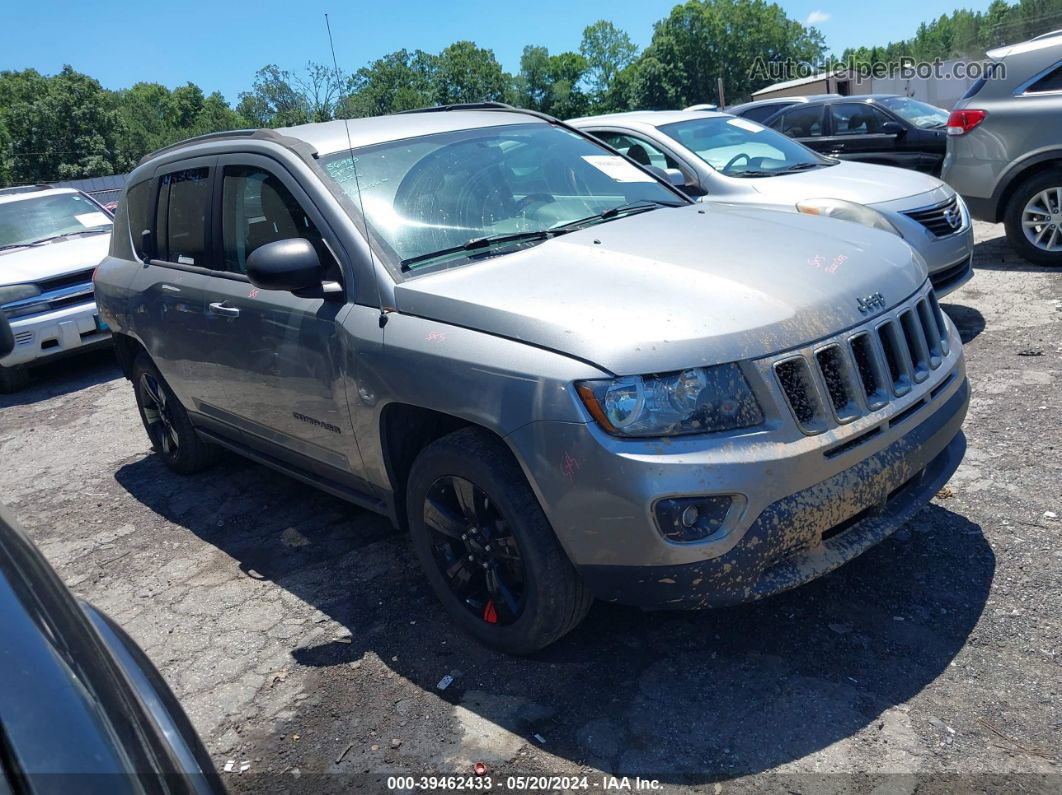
1005, 146
735, 160
50, 241
563, 376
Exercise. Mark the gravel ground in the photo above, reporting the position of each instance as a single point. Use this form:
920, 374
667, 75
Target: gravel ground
300, 637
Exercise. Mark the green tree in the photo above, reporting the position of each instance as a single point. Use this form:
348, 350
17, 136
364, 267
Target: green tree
60, 127
703, 40
467, 73
400, 80
550, 83
279, 98
608, 52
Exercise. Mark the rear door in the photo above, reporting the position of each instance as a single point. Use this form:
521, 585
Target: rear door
278, 353
856, 133
169, 311
805, 124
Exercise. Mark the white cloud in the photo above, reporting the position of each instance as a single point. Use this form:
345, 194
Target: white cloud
817, 17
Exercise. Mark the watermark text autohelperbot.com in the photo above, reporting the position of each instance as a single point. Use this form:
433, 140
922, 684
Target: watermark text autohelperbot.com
903, 68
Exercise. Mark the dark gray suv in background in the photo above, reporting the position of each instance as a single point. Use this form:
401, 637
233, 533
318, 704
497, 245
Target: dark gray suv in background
562, 375
1005, 146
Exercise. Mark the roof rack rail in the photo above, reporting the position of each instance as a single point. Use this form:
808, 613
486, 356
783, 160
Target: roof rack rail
214, 136
1048, 35
12, 189
464, 106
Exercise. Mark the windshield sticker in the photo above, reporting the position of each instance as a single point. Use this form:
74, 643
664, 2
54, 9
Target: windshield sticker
617, 168
745, 124
92, 219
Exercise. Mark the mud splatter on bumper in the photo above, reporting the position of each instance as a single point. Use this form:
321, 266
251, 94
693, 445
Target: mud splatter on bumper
810, 533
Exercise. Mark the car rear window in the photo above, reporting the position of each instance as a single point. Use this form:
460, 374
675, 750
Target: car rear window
979, 83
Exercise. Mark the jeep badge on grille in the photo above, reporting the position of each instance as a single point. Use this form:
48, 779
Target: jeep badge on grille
871, 302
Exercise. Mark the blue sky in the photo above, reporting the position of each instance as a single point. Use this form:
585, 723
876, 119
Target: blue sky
169, 42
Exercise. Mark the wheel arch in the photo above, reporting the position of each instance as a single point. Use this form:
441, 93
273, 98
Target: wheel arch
126, 349
1018, 174
405, 430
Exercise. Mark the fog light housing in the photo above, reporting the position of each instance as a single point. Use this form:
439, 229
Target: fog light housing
684, 520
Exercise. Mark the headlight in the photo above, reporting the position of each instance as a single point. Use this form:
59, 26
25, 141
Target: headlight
847, 211
12, 293
698, 400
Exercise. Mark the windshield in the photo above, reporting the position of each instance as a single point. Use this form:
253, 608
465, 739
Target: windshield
742, 148
26, 221
920, 114
460, 190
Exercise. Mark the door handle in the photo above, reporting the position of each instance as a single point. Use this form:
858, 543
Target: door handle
224, 309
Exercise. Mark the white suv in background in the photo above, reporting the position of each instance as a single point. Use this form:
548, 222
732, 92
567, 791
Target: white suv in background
51, 239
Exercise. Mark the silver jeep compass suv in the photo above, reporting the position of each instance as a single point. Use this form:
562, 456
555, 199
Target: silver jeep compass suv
564, 377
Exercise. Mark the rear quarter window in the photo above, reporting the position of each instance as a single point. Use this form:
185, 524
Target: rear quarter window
139, 208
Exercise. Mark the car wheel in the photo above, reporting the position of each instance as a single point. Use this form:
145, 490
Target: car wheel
487, 548
1033, 218
166, 422
12, 379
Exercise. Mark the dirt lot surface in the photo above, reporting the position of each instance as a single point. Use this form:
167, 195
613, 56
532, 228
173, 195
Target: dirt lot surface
300, 637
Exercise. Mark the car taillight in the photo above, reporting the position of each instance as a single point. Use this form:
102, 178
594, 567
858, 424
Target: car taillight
961, 122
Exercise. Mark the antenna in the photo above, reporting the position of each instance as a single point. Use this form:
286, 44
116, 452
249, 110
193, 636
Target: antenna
357, 186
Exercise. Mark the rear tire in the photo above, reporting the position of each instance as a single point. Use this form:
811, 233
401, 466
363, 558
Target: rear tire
167, 424
537, 596
12, 379
1037, 198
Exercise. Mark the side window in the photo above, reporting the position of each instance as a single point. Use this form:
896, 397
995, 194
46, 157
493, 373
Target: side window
802, 122
139, 204
638, 149
182, 218
762, 113
1052, 81
258, 209
856, 118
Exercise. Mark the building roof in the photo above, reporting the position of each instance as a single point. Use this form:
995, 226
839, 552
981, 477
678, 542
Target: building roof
800, 81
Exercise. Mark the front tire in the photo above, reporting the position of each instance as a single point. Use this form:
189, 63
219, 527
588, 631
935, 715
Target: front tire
1033, 218
486, 547
167, 424
12, 379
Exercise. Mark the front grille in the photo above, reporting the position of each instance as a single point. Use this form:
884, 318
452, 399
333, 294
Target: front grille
865, 370
935, 218
78, 277
943, 279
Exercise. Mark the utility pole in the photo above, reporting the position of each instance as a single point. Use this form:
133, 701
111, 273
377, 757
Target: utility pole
722, 99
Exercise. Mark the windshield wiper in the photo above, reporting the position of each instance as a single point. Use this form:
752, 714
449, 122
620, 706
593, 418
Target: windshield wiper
798, 167
483, 242
43, 240
640, 206
13, 245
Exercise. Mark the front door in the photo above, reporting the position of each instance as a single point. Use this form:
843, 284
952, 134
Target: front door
858, 133
278, 353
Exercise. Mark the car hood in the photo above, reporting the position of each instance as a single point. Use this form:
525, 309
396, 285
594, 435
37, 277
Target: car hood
49, 260
676, 288
864, 183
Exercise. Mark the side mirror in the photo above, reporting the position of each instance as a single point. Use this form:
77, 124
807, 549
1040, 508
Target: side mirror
893, 128
285, 265
675, 177
7, 339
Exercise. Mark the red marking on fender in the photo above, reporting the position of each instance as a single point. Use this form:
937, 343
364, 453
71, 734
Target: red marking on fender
436, 336
490, 615
570, 466
253, 293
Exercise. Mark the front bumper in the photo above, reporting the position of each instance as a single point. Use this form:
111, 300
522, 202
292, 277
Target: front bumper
801, 537
793, 482
50, 334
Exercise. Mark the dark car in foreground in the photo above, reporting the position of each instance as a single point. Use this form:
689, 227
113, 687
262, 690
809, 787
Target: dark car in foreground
885, 129
81, 708
1005, 146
